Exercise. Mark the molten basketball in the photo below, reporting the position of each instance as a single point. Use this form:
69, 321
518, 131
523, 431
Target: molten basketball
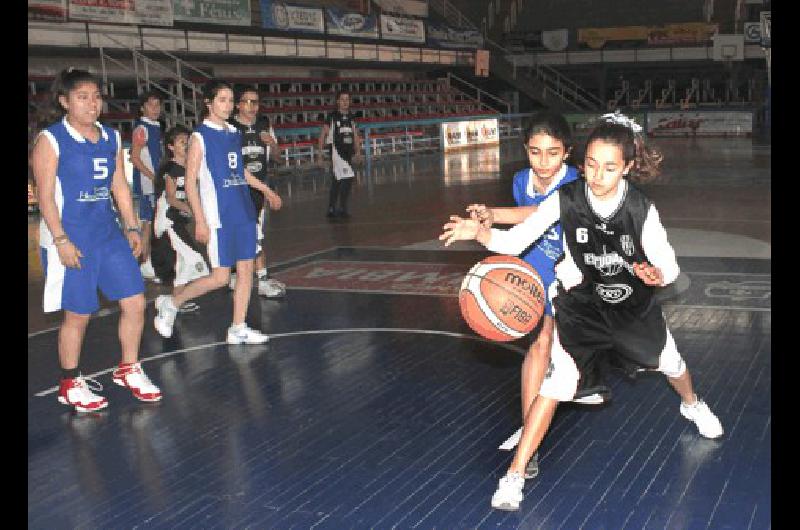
502, 298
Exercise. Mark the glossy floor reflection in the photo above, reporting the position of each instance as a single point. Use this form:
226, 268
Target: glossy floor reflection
373, 406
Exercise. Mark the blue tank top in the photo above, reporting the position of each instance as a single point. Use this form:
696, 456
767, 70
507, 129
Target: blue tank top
153, 147
223, 158
83, 184
544, 253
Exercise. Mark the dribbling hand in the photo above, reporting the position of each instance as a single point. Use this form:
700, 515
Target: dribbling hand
459, 229
649, 274
482, 214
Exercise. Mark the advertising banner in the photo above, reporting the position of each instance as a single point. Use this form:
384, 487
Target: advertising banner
700, 123
449, 37
351, 24
226, 12
417, 8
597, 37
688, 33
52, 10
471, 133
402, 28
150, 12
278, 15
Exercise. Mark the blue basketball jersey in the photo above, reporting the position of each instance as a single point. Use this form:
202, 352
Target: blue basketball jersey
547, 249
150, 155
227, 201
83, 184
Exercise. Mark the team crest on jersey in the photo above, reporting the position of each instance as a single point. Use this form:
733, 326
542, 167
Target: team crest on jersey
608, 263
614, 293
627, 244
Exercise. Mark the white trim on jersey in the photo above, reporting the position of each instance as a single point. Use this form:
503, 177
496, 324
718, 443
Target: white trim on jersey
78, 136
532, 192
213, 249
208, 193
341, 168
561, 379
45, 237
54, 281
189, 264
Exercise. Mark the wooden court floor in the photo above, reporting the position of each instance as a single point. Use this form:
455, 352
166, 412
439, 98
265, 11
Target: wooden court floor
374, 406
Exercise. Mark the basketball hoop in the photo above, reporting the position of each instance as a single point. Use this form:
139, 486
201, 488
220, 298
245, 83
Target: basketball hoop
766, 41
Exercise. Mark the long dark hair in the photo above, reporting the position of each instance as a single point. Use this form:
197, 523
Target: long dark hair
169, 139
646, 159
210, 91
65, 82
552, 124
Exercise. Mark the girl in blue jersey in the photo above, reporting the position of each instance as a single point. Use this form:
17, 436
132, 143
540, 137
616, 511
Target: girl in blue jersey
78, 166
548, 142
146, 159
225, 218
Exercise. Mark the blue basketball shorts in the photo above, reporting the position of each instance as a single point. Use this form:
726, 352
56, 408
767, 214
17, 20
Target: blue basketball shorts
229, 244
147, 207
110, 267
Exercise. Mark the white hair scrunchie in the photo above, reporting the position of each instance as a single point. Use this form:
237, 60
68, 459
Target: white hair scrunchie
620, 119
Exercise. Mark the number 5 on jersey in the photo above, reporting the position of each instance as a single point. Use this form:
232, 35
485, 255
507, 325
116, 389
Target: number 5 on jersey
100, 168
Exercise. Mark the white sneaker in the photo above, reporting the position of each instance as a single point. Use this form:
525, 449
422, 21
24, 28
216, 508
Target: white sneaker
134, 379
165, 316
512, 441
271, 288
76, 393
232, 282
509, 492
591, 399
707, 422
146, 268
242, 334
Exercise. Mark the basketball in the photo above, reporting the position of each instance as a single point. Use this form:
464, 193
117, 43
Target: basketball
502, 298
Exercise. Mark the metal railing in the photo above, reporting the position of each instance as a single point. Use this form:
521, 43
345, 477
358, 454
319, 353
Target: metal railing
177, 106
451, 13
479, 92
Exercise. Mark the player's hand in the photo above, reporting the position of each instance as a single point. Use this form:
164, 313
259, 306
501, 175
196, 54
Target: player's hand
135, 241
459, 229
649, 274
482, 214
274, 201
358, 158
69, 255
201, 232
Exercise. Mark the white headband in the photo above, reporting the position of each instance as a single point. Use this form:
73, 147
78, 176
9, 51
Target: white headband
620, 119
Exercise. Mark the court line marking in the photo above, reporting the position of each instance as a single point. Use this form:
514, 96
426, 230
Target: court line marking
309, 332
115, 309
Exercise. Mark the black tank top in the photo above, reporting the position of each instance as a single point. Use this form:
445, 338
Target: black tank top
343, 128
178, 173
604, 249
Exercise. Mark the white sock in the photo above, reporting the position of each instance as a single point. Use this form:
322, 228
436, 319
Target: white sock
262, 273
237, 327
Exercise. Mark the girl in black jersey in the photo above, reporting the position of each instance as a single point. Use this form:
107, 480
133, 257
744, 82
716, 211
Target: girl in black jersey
615, 254
174, 217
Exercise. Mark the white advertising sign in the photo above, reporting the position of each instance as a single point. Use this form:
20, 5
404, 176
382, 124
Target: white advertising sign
402, 28
471, 133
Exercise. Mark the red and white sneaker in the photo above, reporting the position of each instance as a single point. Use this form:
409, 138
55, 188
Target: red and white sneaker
76, 393
132, 377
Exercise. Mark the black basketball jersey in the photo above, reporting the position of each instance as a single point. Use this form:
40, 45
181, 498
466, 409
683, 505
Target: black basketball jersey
343, 132
178, 173
254, 152
604, 249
